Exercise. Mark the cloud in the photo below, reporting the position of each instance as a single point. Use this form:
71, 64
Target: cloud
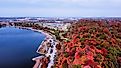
67, 1
58, 12
87, 3
61, 7
71, 3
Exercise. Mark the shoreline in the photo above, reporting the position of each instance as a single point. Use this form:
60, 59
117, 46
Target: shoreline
47, 49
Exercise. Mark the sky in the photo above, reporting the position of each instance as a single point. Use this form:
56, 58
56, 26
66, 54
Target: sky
60, 8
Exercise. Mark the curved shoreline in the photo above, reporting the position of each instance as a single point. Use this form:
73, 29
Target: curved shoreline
44, 50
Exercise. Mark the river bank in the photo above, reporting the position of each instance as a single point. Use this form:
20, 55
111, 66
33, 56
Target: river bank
47, 50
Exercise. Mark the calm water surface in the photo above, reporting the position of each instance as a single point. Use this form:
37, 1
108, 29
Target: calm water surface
18, 47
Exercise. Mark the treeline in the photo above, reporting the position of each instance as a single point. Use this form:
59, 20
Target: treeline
40, 27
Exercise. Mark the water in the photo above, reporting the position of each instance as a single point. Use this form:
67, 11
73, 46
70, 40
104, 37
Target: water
18, 47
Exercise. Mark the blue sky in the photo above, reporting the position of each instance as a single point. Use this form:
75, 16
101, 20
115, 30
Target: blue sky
61, 8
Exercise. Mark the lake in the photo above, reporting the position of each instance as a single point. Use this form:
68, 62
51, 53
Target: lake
18, 47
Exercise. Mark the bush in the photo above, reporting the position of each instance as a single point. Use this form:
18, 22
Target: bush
82, 39
98, 47
102, 36
66, 54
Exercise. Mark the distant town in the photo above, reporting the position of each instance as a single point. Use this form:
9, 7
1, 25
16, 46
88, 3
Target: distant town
43, 21
74, 42
51, 22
